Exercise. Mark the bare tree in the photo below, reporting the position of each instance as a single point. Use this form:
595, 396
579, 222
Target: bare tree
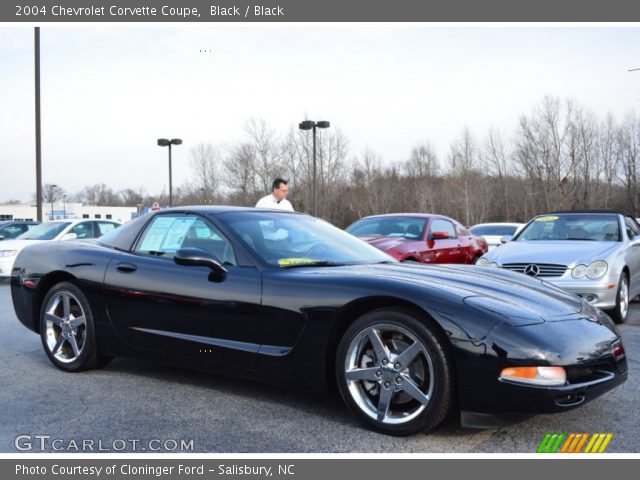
463, 165
628, 150
52, 193
610, 162
423, 168
264, 147
205, 165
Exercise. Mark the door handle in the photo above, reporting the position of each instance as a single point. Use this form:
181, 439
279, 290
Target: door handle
126, 267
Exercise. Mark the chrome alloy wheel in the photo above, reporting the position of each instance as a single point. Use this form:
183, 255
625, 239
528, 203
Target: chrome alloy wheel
66, 326
389, 373
624, 297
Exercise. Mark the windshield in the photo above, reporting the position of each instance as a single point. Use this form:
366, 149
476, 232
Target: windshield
406, 227
289, 240
498, 230
44, 231
590, 227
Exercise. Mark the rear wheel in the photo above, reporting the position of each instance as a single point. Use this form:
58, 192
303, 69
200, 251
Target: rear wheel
67, 329
394, 372
621, 310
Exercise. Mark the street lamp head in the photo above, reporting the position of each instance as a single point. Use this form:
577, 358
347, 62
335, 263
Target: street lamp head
306, 125
323, 124
176, 141
163, 142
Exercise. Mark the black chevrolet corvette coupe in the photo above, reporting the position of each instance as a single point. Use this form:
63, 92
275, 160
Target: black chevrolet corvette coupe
289, 299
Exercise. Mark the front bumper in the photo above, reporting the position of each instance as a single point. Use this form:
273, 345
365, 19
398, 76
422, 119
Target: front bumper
6, 265
600, 293
583, 346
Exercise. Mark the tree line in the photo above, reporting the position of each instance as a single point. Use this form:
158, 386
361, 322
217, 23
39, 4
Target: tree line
560, 156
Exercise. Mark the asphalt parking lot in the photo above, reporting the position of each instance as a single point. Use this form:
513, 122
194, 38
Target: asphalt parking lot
132, 404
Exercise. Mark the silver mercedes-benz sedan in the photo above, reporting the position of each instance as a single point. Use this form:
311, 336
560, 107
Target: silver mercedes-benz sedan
594, 254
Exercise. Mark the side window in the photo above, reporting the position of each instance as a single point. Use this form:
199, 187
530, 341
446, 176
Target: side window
83, 230
462, 232
632, 227
440, 225
13, 231
105, 227
168, 233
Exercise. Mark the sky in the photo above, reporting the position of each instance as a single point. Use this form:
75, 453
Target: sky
109, 92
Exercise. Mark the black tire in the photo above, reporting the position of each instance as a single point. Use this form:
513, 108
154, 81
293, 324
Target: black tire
57, 328
392, 384
620, 313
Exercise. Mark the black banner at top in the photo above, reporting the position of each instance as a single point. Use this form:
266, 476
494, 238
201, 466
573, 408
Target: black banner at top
41, 11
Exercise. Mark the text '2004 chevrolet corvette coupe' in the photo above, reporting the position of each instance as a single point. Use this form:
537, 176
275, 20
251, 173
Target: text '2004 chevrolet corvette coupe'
289, 299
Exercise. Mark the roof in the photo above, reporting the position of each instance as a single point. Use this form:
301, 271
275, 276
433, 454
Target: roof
416, 215
510, 224
19, 222
613, 212
214, 209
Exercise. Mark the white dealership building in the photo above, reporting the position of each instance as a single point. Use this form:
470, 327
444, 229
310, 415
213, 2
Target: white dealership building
61, 210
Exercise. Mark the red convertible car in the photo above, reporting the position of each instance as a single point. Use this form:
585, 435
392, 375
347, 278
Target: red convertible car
424, 238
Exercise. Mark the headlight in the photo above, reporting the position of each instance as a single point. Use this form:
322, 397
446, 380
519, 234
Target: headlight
595, 270
579, 271
8, 253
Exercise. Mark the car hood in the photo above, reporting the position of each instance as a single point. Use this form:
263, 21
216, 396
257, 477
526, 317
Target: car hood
515, 296
17, 244
564, 252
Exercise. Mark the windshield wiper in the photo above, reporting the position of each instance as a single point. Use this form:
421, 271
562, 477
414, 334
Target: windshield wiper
315, 263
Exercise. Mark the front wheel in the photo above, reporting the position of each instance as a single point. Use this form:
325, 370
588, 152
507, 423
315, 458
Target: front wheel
621, 310
394, 372
67, 329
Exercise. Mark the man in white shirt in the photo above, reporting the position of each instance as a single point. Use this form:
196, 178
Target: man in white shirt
278, 197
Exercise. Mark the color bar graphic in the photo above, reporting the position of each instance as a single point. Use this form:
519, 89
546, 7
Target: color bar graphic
574, 442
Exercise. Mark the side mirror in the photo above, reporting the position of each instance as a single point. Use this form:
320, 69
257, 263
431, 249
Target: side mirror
69, 236
201, 258
506, 238
439, 236
1, 237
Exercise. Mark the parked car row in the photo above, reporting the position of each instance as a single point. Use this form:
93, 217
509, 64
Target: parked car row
594, 254
51, 231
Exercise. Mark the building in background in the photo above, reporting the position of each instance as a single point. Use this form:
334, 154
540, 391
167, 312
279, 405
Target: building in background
61, 210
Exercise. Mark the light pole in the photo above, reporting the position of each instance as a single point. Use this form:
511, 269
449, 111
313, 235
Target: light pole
51, 187
64, 207
164, 142
309, 125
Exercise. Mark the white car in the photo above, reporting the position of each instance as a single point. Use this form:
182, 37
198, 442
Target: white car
51, 231
493, 232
